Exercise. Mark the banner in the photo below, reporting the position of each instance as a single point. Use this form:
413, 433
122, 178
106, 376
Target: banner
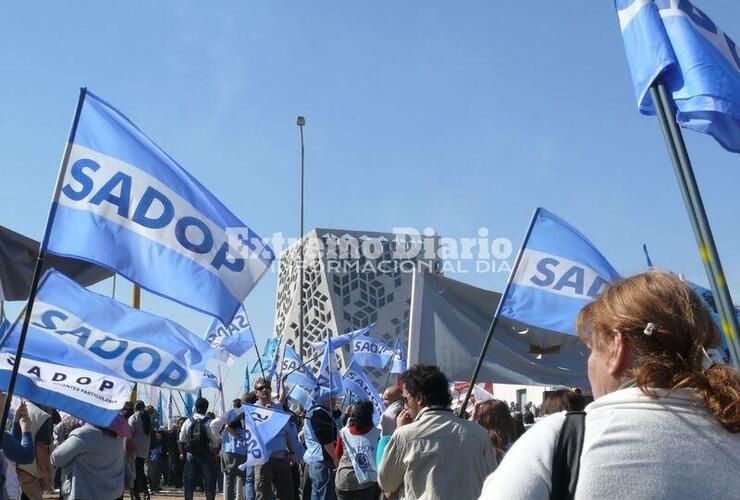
294, 371
233, 340
368, 351
560, 272
127, 205
340, 341
698, 62
356, 380
131, 344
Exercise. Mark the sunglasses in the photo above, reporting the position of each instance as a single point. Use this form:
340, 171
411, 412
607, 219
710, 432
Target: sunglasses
261, 388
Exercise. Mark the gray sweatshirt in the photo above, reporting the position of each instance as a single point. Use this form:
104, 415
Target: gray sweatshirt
92, 464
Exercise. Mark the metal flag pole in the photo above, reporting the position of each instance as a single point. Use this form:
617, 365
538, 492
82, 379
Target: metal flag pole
494, 321
665, 109
40, 260
301, 121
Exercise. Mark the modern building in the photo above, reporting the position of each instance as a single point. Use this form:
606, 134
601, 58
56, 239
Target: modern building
351, 279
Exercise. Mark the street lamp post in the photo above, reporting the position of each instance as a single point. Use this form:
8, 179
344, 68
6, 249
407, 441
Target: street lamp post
301, 121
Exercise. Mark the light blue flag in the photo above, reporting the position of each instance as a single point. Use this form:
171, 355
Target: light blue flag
128, 206
4, 325
301, 395
560, 272
356, 380
56, 374
160, 410
262, 425
698, 62
340, 341
132, 344
399, 358
294, 371
328, 380
707, 297
247, 384
189, 402
370, 352
234, 340
269, 353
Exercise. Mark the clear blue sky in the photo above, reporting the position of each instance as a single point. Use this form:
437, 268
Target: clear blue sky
453, 115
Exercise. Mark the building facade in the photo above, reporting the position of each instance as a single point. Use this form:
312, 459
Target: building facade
351, 279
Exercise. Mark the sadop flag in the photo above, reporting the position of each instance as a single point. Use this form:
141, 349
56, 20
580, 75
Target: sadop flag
262, 425
328, 380
399, 358
127, 205
368, 351
58, 375
356, 380
560, 271
340, 341
132, 344
698, 62
233, 340
294, 371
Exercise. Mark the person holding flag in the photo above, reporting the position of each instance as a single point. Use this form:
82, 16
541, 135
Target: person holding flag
320, 433
275, 472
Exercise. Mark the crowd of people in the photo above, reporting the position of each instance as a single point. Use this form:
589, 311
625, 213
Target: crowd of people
664, 424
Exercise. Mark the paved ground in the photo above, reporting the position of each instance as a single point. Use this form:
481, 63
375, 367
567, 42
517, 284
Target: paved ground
165, 495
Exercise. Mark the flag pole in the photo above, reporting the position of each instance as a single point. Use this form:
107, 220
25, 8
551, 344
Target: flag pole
301, 121
40, 260
665, 109
494, 321
136, 303
390, 368
254, 342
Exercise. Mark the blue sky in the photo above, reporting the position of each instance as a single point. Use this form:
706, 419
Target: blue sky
450, 115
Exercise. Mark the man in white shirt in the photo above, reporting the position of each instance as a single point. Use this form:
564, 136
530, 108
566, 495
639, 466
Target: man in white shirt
197, 444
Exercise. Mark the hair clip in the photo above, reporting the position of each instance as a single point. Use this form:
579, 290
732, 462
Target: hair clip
649, 329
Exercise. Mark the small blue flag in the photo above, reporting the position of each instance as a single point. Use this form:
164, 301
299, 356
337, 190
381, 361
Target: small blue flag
560, 272
132, 344
647, 256
399, 358
371, 352
340, 341
294, 371
262, 425
234, 340
356, 380
698, 62
329, 380
269, 354
128, 206
189, 404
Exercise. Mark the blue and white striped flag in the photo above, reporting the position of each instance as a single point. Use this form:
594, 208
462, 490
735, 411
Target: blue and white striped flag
58, 375
699, 63
231, 341
368, 351
356, 380
127, 205
560, 272
132, 344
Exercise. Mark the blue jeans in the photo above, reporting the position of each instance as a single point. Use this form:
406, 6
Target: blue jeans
197, 467
322, 481
249, 484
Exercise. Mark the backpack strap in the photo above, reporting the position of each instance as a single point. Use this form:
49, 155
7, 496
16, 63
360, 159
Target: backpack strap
567, 458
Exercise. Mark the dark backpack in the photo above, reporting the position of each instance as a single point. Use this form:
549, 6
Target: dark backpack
196, 441
567, 458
